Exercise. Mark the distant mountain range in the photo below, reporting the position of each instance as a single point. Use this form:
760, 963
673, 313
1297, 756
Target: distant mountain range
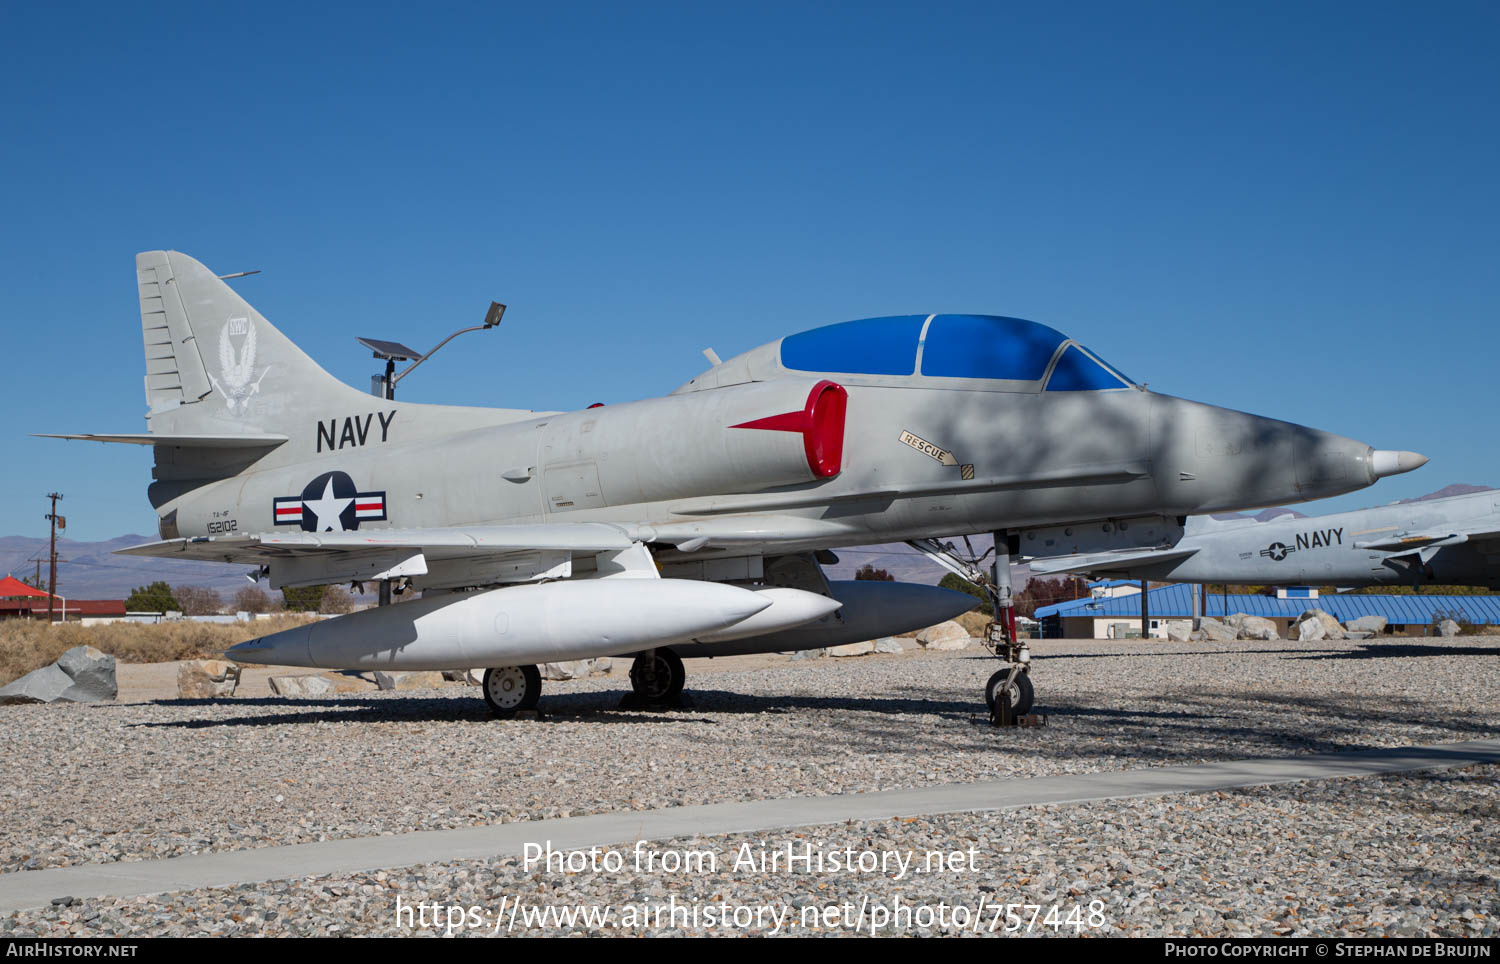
1457, 488
1264, 515
90, 570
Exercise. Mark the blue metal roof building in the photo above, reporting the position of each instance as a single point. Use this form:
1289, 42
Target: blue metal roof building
1176, 602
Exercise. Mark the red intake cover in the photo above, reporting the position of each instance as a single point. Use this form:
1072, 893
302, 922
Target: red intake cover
821, 423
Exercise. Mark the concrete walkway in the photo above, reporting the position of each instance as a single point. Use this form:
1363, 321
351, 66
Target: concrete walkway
36, 888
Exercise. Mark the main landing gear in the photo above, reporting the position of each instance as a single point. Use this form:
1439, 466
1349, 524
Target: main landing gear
511, 689
656, 680
1009, 693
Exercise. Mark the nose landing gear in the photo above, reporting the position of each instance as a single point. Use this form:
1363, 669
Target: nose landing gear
1009, 693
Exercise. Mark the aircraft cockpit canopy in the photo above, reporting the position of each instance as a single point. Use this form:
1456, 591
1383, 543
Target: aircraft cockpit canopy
1012, 354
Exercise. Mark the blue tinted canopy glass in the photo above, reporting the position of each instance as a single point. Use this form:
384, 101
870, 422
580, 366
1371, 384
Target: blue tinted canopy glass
988, 346
872, 346
1077, 372
953, 346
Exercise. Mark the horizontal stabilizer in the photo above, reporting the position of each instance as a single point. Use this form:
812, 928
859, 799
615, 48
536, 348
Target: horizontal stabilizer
1101, 562
185, 441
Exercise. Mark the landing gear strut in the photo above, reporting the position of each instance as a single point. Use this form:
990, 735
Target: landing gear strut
510, 689
1009, 692
656, 680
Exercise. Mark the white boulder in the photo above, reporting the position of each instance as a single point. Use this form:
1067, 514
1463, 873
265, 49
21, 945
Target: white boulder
1316, 624
311, 685
944, 636
1215, 631
1179, 630
1366, 624
1257, 627
206, 679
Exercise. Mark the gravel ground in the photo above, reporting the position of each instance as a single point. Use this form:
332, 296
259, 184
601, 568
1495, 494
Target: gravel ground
147, 780
1408, 855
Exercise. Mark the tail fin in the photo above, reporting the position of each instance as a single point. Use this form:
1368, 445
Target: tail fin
214, 365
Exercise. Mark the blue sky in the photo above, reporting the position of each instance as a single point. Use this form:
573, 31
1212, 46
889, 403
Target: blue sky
1286, 208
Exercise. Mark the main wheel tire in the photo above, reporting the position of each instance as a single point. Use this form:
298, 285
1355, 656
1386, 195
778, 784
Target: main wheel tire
510, 689
658, 679
1022, 695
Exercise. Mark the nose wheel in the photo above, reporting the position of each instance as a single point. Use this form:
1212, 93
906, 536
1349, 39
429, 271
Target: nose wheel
510, 689
1017, 692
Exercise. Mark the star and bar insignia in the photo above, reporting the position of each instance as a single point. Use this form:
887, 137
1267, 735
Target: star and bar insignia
329, 503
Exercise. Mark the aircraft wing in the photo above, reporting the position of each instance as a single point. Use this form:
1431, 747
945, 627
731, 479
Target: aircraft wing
476, 555
1432, 539
1102, 562
437, 558
1407, 541
1486, 533
445, 542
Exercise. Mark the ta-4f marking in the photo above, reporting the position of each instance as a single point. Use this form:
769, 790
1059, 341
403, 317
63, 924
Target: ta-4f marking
354, 431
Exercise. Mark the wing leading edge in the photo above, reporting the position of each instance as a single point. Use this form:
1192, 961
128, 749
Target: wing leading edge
1109, 562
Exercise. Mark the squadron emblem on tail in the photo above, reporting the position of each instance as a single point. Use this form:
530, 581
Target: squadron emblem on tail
237, 380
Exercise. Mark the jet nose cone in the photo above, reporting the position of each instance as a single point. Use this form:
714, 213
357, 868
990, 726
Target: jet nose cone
1386, 462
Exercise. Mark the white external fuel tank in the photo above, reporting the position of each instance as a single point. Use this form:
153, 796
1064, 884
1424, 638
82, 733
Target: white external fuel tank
515, 626
789, 608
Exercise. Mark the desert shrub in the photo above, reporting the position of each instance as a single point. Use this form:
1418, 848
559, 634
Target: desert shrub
26, 644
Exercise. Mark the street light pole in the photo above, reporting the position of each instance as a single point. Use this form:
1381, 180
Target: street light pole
394, 351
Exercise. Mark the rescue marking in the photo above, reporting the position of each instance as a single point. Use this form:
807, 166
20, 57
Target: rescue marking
928, 449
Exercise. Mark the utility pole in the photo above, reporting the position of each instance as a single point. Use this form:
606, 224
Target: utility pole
1145, 612
53, 518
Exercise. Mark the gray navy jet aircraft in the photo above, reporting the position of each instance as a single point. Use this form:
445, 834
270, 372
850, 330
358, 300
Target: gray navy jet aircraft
690, 524
1453, 542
